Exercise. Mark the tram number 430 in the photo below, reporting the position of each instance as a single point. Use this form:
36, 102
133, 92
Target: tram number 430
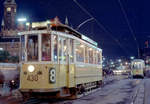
32, 78
52, 75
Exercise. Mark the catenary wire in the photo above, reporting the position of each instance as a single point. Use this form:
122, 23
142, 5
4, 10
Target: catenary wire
129, 26
101, 26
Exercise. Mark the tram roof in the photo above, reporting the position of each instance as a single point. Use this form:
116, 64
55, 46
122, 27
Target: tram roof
58, 33
137, 60
42, 27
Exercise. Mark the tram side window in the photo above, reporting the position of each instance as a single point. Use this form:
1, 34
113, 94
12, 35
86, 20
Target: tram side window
64, 50
60, 49
46, 47
86, 55
22, 48
32, 48
95, 56
91, 56
99, 58
55, 48
79, 52
71, 51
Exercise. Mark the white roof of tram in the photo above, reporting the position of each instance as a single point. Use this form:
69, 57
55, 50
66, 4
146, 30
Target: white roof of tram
83, 38
138, 60
55, 22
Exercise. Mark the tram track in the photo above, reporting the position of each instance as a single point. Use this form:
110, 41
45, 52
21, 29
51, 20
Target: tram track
138, 84
32, 101
135, 84
65, 101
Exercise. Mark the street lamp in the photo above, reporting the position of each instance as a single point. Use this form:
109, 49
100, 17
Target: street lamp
104, 58
112, 63
22, 19
1, 49
132, 57
119, 60
126, 63
22, 23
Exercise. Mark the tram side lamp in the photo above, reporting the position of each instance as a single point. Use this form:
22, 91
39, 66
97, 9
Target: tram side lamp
31, 68
52, 75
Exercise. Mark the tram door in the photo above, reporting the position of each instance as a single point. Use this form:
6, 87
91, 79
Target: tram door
70, 62
65, 62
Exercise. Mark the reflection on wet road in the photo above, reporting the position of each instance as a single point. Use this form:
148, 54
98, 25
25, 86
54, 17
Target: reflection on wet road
120, 90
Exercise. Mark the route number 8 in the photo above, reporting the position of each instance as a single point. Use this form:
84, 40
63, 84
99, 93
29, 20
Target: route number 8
52, 75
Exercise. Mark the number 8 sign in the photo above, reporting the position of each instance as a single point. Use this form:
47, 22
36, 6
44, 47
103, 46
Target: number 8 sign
52, 75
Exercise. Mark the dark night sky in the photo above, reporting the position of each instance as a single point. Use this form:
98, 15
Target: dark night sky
107, 12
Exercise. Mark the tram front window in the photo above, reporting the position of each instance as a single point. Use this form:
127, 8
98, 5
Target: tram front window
32, 48
46, 47
136, 66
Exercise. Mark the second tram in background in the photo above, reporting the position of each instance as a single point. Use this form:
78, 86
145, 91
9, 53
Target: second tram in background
137, 68
58, 61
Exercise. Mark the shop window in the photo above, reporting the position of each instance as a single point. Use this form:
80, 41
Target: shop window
46, 47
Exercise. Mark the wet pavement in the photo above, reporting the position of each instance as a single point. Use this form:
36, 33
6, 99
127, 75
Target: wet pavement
147, 91
117, 90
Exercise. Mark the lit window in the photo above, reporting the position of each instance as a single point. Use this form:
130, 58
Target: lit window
32, 48
46, 47
60, 49
15, 10
95, 57
55, 57
8, 9
99, 57
71, 51
86, 55
91, 56
64, 50
79, 52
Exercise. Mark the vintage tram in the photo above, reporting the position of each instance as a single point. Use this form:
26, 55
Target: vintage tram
58, 61
137, 67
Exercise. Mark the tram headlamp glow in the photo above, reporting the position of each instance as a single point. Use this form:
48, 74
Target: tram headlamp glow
31, 68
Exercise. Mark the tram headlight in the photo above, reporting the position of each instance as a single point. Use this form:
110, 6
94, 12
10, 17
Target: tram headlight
31, 68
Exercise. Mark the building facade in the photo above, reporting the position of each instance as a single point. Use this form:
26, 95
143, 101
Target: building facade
9, 40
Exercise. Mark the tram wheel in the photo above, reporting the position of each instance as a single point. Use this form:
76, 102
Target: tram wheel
25, 96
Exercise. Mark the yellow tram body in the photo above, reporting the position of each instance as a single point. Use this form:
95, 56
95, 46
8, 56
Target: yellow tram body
74, 61
76, 75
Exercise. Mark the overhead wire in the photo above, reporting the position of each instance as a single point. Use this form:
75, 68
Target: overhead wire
129, 26
101, 26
